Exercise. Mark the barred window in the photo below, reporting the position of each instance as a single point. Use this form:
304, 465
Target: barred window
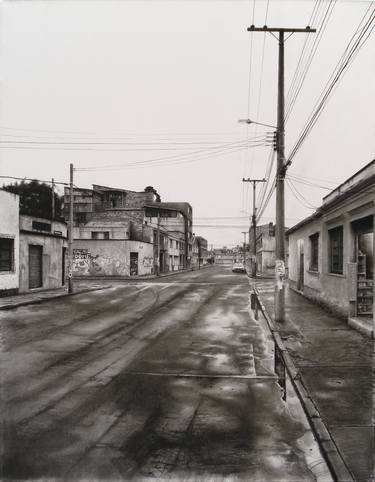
6, 254
336, 240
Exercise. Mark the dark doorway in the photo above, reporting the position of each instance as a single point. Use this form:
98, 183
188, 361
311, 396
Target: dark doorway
35, 266
364, 246
133, 264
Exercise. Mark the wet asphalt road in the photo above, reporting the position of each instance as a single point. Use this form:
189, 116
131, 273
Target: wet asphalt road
164, 379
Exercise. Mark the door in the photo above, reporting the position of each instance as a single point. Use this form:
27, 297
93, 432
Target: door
35, 266
365, 263
133, 264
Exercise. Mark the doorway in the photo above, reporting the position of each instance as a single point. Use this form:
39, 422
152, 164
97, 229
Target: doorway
133, 264
35, 266
364, 256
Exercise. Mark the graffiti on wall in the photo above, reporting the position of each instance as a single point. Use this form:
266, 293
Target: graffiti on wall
86, 263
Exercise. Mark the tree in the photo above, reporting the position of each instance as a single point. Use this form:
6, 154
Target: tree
36, 199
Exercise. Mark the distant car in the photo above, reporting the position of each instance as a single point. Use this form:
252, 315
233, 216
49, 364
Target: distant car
238, 268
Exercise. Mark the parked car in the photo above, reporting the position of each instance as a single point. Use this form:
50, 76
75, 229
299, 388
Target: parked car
238, 268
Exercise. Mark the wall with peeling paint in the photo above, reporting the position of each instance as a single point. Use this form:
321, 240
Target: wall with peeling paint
97, 257
52, 244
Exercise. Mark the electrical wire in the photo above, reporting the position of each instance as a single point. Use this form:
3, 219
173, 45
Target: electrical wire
311, 55
345, 61
307, 183
298, 196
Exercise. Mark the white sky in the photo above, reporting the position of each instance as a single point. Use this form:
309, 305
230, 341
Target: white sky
172, 72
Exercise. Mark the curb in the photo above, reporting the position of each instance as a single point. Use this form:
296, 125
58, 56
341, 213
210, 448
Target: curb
55, 297
330, 451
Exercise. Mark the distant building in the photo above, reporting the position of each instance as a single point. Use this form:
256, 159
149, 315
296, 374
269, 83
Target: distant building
9, 243
265, 246
118, 232
331, 253
225, 256
202, 250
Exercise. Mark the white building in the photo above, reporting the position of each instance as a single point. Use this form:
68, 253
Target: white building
9, 243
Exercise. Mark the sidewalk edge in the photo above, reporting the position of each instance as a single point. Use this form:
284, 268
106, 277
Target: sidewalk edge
331, 453
55, 297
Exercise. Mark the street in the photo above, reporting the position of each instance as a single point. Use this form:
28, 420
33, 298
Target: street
168, 378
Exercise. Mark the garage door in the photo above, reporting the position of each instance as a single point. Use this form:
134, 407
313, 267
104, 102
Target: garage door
35, 266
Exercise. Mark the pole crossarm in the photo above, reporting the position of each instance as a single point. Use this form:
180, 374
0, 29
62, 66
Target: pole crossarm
307, 29
253, 180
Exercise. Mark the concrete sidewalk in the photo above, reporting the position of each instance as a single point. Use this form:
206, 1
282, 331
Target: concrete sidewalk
337, 367
9, 302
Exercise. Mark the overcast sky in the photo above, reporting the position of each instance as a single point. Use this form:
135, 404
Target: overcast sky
158, 79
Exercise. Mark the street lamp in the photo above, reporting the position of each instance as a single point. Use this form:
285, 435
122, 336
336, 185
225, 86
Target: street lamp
249, 121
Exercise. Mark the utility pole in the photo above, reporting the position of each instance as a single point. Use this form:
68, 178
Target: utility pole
281, 170
254, 224
158, 251
244, 248
53, 200
199, 253
70, 240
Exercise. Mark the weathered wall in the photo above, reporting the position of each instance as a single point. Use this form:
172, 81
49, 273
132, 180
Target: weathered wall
52, 259
327, 288
110, 257
9, 228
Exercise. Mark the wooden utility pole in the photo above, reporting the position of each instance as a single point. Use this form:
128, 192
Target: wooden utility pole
281, 169
53, 200
70, 239
254, 224
158, 251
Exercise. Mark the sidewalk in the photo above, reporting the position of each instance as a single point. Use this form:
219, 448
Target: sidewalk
336, 365
9, 302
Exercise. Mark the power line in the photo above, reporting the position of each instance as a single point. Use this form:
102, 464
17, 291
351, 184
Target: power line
311, 56
345, 61
307, 183
298, 196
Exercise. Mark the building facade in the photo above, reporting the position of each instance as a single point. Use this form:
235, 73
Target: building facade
9, 243
331, 253
42, 258
129, 228
265, 246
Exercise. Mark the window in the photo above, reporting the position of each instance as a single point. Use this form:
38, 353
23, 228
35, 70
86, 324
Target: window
81, 218
106, 235
336, 250
6, 254
38, 226
314, 252
94, 235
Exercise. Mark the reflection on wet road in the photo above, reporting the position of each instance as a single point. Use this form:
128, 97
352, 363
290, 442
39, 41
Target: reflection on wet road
163, 379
